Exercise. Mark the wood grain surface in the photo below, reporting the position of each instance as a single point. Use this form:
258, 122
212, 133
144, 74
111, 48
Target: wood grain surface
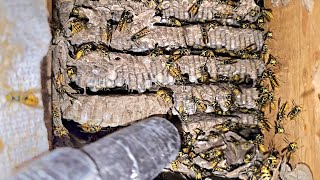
49, 6
297, 45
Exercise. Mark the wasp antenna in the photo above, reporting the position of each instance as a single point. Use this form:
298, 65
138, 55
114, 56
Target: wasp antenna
100, 122
286, 140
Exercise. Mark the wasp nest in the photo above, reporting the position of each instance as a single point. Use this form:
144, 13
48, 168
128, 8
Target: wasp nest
201, 63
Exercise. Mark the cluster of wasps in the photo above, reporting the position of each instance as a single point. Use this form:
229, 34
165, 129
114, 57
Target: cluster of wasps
217, 17
187, 154
77, 23
263, 169
260, 168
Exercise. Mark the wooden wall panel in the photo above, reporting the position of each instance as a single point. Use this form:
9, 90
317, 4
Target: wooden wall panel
49, 6
297, 45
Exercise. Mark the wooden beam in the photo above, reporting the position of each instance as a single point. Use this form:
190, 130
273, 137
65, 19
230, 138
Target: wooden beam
297, 45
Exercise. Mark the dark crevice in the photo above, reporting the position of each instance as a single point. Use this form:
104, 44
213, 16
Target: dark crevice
245, 83
241, 54
217, 22
116, 91
80, 138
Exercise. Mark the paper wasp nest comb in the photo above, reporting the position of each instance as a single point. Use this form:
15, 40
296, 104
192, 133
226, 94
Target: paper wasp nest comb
101, 109
96, 64
114, 8
111, 111
203, 64
96, 12
95, 28
184, 97
141, 72
233, 39
195, 62
211, 10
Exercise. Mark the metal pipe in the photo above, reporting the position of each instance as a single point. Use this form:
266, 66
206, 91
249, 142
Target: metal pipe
138, 152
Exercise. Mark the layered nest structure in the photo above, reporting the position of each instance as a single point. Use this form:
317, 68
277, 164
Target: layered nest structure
203, 64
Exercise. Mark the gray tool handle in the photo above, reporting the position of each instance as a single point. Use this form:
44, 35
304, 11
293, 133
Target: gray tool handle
138, 152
